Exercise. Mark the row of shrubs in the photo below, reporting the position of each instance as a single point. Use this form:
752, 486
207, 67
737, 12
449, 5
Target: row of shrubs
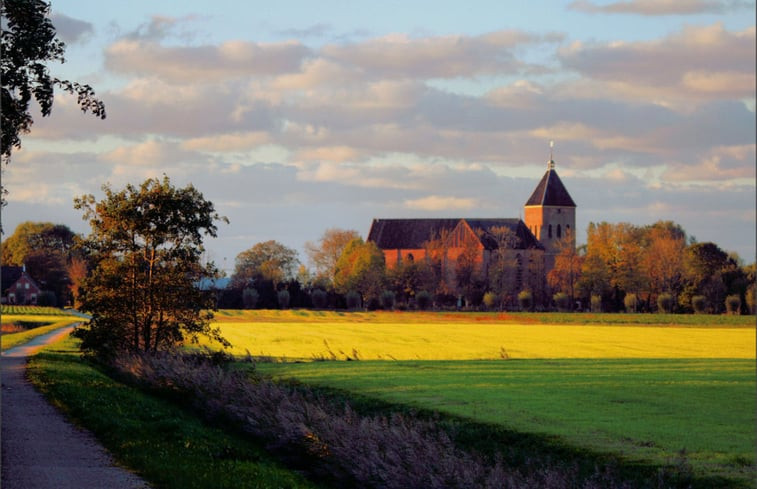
424, 301
332, 442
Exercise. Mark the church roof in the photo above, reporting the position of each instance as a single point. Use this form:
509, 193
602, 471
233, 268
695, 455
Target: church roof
409, 234
551, 191
486, 229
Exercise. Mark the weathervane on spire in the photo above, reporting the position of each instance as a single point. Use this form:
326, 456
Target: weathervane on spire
551, 164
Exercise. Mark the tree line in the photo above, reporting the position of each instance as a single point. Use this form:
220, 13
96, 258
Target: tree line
622, 267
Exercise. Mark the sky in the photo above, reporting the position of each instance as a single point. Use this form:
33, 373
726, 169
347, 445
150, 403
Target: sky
294, 117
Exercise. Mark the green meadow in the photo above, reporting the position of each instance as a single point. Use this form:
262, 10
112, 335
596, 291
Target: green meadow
645, 388
644, 411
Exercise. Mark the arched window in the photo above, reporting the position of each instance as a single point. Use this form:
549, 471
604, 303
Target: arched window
549, 231
559, 232
410, 257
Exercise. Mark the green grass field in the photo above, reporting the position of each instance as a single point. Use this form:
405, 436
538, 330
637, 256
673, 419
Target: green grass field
28, 322
643, 390
643, 410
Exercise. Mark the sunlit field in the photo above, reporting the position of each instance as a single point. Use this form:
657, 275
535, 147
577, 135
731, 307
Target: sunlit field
22, 323
642, 387
306, 335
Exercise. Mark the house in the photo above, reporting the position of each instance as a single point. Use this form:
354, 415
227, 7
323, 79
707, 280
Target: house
18, 287
550, 218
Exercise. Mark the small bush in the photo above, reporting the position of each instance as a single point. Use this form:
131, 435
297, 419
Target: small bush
699, 304
423, 300
490, 300
733, 304
525, 300
353, 300
319, 298
562, 301
631, 301
250, 298
596, 303
283, 299
664, 303
387, 300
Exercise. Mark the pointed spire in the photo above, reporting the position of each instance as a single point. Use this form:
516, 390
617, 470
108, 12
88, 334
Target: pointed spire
551, 164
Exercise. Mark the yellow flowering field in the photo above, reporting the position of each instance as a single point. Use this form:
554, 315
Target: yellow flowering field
467, 337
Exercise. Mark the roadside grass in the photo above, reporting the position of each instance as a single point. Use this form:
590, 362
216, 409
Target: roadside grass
328, 335
645, 412
41, 325
168, 446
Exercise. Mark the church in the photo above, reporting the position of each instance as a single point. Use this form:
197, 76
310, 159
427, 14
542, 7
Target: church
550, 217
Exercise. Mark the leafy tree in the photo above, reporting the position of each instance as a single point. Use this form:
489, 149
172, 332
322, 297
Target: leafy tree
324, 254
704, 265
29, 43
145, 250
361, 268
505, 274
269, 260
46, 249
437, 256
663, 258
77, 272
468, 273
565, 275
409, 277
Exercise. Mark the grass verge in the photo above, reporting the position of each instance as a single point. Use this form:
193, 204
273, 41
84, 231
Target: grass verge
14, 339
169, 447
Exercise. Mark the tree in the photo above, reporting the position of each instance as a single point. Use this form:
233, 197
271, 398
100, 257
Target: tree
361, 268
324, 254
29, 43
145, 252
410, 277
566, 273
266, 261
663, 258
704, 265
47, 250
505, 274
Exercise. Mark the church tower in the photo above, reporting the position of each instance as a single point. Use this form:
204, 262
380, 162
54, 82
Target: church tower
550, 213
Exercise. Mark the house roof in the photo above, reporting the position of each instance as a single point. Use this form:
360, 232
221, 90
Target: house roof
551, 191
412, 234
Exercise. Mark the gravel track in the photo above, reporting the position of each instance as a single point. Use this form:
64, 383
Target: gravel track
40, 449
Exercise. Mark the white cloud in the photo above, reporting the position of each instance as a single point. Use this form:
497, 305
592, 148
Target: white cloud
441, 203
660, 7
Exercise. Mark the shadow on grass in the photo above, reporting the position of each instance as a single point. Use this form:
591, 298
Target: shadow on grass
528, 450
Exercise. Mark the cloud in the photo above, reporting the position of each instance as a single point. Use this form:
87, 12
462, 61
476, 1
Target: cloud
399, 55
70, 30
724, 163
183, 64
661, 7
696, 63
439, 203
238, 141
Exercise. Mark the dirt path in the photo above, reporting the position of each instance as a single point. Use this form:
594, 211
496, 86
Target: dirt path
40, 449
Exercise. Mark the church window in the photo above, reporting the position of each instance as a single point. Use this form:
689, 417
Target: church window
410, 257
549, 231
559, 232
